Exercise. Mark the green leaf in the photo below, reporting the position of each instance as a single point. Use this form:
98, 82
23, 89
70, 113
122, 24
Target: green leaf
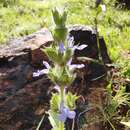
56, 16
60, 34
64, 18
53, 117
55, 74
51, 52
55, 101
66, 78
60, 31
55, 122
70, 100
59, 17
61, 75
67, 55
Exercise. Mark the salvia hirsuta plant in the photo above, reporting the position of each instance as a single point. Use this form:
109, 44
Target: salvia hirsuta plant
62, 74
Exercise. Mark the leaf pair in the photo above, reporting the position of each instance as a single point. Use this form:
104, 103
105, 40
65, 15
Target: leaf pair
54, 55
70, 100
61, 76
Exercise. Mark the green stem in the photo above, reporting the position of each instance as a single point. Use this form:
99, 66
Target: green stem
62, 94
62, 126
73, 124
97, 35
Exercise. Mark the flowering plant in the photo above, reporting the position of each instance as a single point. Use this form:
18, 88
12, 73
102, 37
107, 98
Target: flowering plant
62, 74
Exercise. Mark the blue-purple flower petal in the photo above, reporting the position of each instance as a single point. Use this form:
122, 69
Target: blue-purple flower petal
63, 115
66, 113
43, 71
71, 42
61, 48
40, 72
74, 47
71, 114
69, 62
76, 66
81, 47
46, 64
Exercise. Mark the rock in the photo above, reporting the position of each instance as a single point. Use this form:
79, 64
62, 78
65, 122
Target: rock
20, 93
22, 45
86, 35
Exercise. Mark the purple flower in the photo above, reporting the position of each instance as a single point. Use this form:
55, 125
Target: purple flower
70, 42
66, 113
43, 71
61, 48
71, 45
46, 64
75, 47
74, 66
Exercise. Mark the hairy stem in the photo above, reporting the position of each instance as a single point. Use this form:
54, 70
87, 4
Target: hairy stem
62, 94
73, 124
62, 126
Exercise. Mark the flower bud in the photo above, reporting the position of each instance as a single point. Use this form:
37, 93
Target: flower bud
60, 30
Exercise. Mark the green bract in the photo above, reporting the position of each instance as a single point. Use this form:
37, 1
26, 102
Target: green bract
60, 30
70, 100
53, 117
60, 34
61, 76
59, 17
56, 57
52, 53
55, 101
68, 54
